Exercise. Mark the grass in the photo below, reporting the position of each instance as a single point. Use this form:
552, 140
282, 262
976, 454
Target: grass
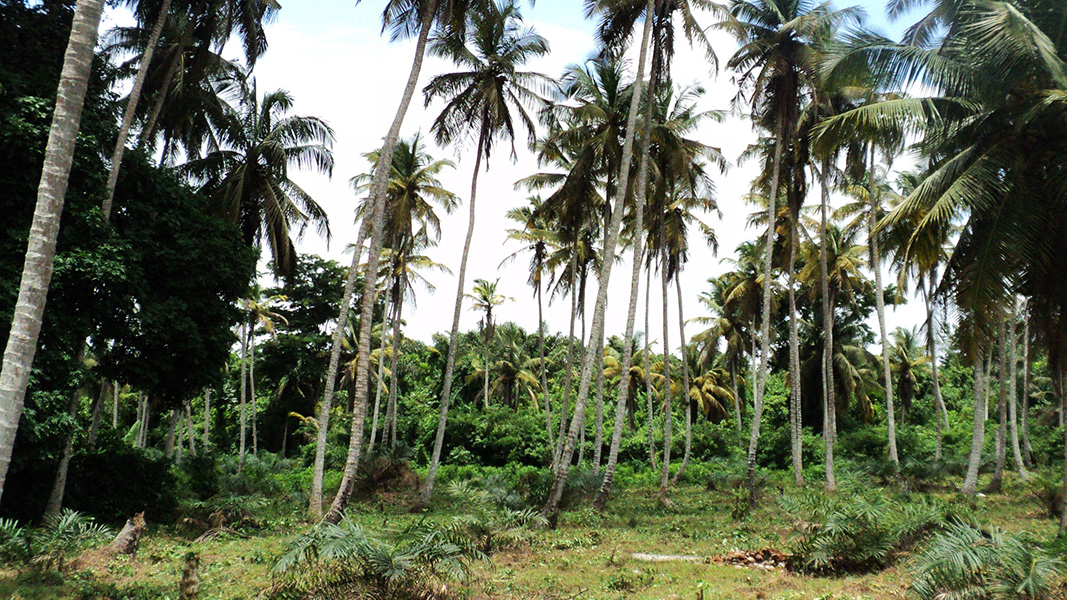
587, 557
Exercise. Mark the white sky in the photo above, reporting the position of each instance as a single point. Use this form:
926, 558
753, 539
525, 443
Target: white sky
330, 55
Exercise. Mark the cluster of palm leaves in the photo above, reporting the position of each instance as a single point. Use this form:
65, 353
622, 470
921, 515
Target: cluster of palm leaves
48, 546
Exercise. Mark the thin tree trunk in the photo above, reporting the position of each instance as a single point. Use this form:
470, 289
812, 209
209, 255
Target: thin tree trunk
115, 407
453, 344
142, 418
668, 411
149, 129
931, 344
1063, 408
687, 401
1028, 452
879, 298
598, 442
1013, 374
252, 387
765, 324
244, 397
98, 411
829, 396
207, 418
377, 391
568, 374
377, 195
1002, 408
398, 309
59, 484
988, 376
648, 369
544, 367
44, 229
168, 444
485, 380
794, 360
737, 398
974, 461
131, 107
190, 429
551, 509
179, 428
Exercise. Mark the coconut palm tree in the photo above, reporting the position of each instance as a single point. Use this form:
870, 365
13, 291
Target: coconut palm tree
248, 176
777, 69
404, 18
482, 101
40, 253
485, 298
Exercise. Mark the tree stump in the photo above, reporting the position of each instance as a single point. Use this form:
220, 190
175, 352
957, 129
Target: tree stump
189, 587
127, 541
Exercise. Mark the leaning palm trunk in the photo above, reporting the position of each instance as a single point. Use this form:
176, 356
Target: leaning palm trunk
541, 359
1013, 374
611, 240
879, 299
794, 360
41, 248
687, 401
829, 397
398, 308
931, 343
765, 324
377, 209
970, 481
665, 472
453, 340
648, 370
598, 441
1002, 409
131, 107
244, 396
568, 375
148, 131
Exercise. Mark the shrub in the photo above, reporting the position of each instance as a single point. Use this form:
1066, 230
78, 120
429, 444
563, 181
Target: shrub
345, 560
966, 561
1046, 487
67, 532
857, 532
490, 523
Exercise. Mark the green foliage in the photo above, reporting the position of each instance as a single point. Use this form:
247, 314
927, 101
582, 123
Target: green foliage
858, 530
346, 560
61, 535
15, 544
492, 524
966, 561
1046, 487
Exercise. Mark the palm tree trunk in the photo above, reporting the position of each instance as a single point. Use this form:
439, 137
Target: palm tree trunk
1028, 452
687, 402
737, 397
453, 342
611, 239
115, 407
988, 389
149, 129
398, 307
59, 484
377, 196
794, 359
648, 370
829, 395
377, 391
765, 324
207, 417
131, 107
485, 380
598, 442
568, 372
252, 387
244, 396
931, 344
879, 298
1058, 374
168, 443
190, 429
668, 411
970, 481
1013, 375
41, 248
544, 367
1002, 406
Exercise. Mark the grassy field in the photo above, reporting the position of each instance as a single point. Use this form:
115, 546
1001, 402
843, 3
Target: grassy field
588, 557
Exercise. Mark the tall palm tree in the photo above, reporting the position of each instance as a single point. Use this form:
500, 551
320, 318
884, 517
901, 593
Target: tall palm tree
40, 253
404, 18
485, 298
776, 73
248, 176
482, 101
540, 241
